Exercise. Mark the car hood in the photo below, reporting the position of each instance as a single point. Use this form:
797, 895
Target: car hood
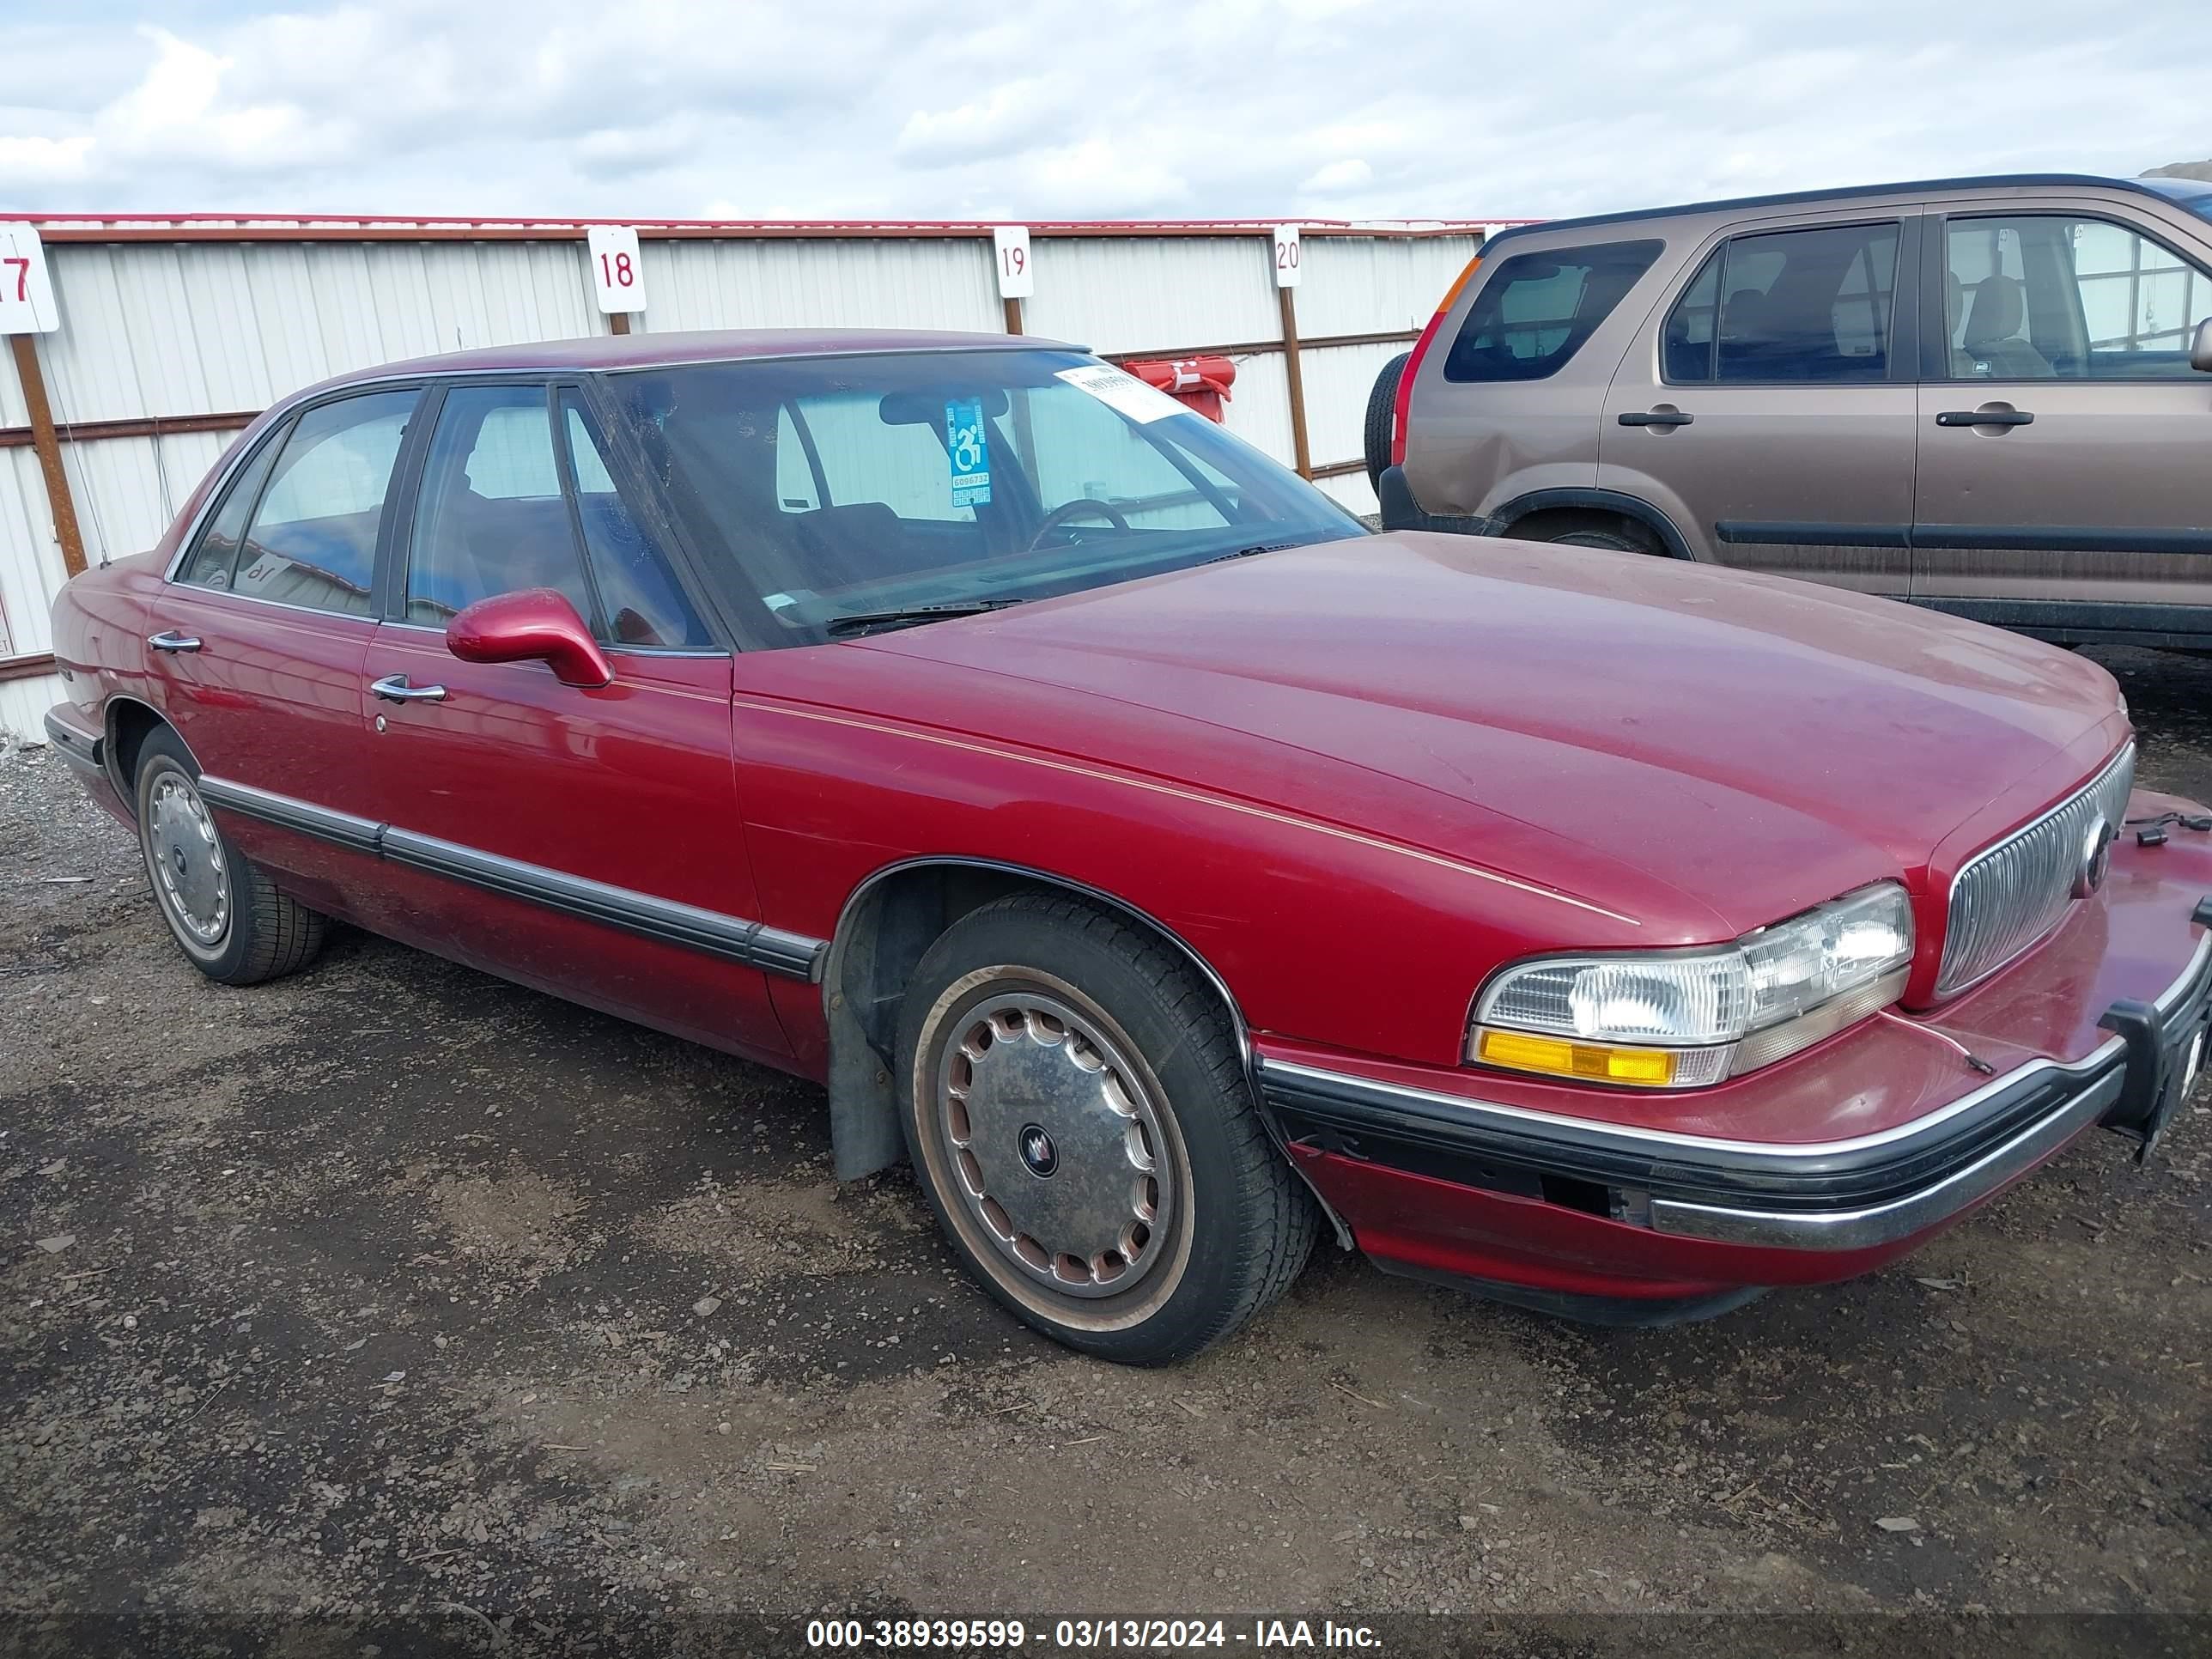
1707, 750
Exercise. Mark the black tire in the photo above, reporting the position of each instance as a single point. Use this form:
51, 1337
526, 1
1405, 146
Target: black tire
1382, 414
250, 931
1605, 529
1235, 1224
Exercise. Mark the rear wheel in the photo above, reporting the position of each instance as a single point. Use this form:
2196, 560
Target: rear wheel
1078, 1111
1382, 415
225, 914
1606, 530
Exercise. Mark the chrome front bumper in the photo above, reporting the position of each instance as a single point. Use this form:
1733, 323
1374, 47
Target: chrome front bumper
1829, 1196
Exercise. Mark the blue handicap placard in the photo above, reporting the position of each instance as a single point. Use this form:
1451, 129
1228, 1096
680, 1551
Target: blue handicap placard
968, 442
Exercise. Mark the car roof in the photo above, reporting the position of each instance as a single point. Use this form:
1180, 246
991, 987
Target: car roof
601, 353
1848, 193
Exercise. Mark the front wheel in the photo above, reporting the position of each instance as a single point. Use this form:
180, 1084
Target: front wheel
1078, 1111
224, 913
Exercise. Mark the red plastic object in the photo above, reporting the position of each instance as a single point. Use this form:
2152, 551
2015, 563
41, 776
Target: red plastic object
1201, 382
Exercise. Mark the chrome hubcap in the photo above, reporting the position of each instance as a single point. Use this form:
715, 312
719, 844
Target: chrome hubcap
1056, 1148
187, 856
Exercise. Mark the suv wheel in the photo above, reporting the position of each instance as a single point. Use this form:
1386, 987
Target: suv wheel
1077, 1108
1606, 530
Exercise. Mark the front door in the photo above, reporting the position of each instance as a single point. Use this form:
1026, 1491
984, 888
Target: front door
2065, 444
584, 841
1769, 413
262, 636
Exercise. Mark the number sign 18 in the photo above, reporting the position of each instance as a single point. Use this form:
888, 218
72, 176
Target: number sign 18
1017, 276
26, 293
617, 274
1286, 256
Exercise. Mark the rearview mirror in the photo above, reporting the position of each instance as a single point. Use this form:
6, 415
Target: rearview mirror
928, 408
2200, 348
533, 624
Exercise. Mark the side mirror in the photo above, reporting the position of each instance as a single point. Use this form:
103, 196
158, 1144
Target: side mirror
2200, 348
533, 624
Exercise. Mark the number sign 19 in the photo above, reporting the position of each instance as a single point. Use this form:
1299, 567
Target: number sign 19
1017, 276
1286, 256
617, 275
26, 293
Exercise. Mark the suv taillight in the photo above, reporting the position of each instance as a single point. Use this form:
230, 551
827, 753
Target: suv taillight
1404, 402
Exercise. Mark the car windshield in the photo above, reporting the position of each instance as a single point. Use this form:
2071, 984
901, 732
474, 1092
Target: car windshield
835, 494
2194, 194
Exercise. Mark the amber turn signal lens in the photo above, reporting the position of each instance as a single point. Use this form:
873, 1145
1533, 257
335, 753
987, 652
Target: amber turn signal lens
1652, 1067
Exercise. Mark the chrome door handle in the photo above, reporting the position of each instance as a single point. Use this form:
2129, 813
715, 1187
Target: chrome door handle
170, 640
393, 687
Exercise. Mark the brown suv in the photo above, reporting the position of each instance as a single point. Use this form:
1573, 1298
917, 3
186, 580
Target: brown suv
1989, 396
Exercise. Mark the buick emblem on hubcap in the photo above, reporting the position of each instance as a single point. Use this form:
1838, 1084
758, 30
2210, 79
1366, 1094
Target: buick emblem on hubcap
1038, 1152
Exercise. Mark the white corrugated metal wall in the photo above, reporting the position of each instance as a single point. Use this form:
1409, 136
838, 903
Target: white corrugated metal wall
185, 328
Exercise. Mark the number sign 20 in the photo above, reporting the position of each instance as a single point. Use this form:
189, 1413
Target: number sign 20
1286, 256
618, 272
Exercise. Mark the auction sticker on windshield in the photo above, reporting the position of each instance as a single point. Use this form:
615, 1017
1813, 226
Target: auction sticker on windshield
1125, 394
967, 441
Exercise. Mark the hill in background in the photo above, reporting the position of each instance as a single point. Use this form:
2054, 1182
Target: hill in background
2182, 170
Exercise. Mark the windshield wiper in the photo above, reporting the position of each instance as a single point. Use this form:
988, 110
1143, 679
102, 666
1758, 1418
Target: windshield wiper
863, 622
1247, 552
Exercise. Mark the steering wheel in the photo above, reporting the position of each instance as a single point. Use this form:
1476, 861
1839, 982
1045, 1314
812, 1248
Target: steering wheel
1081, 506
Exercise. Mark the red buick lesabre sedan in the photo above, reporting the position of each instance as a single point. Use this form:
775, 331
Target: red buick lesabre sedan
1166, 868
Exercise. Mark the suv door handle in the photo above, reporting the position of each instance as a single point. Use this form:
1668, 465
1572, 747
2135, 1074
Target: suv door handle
393, 687
1656, 417
1984, 417
169, 640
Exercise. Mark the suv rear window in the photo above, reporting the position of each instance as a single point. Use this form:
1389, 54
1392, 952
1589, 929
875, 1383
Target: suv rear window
1536, 310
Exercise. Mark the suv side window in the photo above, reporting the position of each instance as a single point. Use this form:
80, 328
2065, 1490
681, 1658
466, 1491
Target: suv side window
2053, 296
1532, 316
1788, 308
313, 538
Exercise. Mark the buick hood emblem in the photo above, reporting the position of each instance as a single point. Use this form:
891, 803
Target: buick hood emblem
2096, 859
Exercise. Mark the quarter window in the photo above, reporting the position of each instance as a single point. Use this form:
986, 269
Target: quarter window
2047, 296
1533, 314
213, 562
1791, 307
314, 538
491, 518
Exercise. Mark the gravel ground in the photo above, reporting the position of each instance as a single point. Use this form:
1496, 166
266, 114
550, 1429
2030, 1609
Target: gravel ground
393, 1298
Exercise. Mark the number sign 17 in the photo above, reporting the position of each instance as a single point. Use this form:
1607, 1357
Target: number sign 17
26, 293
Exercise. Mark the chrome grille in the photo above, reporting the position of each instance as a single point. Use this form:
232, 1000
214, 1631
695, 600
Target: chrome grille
2010, 895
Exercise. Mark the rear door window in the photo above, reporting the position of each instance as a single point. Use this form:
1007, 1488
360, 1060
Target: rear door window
1791, 307
1532, 316
313, 538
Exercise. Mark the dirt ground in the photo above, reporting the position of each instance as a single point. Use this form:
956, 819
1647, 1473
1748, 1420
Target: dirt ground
391, 1296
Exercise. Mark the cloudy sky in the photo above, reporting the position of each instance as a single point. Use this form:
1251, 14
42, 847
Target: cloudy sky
1036, 109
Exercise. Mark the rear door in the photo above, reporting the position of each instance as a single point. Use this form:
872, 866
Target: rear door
263, 632
2065, 444
1768, 407
584, 841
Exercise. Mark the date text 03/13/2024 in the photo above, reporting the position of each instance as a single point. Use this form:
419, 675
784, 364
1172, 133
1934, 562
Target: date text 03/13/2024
1110, 1635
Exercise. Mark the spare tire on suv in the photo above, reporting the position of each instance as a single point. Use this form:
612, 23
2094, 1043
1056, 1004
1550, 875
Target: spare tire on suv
1382, 413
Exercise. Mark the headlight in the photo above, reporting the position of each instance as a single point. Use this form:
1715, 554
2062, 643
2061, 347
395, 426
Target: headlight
1678, 1019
